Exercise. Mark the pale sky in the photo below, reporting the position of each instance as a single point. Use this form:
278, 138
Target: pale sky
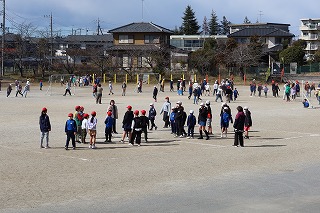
83, 14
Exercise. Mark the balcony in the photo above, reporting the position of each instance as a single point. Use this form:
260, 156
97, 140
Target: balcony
309, 28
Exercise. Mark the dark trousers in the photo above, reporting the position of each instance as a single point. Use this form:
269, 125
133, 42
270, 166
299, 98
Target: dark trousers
173, 127
70, 135
152, 124
145, 131
179, 127
67, 91
238, 137
190, 131
166, 119
108, 134
114, 126
136, 135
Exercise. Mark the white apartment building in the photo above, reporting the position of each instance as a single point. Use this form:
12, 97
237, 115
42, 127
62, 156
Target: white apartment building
310, 32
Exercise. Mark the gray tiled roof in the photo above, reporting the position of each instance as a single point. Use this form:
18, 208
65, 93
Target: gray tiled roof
141, 27
261, 31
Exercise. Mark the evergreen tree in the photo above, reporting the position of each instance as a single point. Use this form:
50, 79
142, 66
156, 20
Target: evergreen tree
190, 24
205, 27
225, 26
246, 20
214, 28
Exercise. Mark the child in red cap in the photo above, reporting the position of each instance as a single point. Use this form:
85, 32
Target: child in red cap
109, 124
71, 131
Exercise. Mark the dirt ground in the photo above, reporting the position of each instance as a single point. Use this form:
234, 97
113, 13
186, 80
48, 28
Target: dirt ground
284, 137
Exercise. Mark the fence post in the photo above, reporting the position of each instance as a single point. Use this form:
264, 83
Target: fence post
137, 78
126, 78
148, 79
104, 78
115, 78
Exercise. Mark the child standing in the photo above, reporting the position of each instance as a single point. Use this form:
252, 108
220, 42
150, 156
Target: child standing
41, 85
109, 124
247, 122
172, 121
191, 122
9, 89
144, 124
235, 94
92, 129
110, 88
45, 127
224, 122
71, 131
155, 93
265, 90
259, 90
152, 116
84, 127
136, 127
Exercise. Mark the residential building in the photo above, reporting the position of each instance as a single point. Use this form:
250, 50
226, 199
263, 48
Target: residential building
272, 35
135, 45
310, 32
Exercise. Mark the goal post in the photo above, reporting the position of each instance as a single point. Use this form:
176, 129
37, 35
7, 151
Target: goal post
61, 79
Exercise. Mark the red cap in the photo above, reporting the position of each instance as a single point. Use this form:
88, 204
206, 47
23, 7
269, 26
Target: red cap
167, 97
143, 112
93, 113
70, 115
44, 109
109, 113
136, 112
81, 108
85, 115
77, 108
129, 107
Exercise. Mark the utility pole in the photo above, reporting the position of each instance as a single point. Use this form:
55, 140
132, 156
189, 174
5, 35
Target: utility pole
99, 30
3, 25
51, 36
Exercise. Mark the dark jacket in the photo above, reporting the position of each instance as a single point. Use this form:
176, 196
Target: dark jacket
144, 121
203, 114
239, 121
248, 120
127, 118
191, 121
44, 123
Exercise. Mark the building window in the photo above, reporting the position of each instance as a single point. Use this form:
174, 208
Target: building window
125, 39
151, 39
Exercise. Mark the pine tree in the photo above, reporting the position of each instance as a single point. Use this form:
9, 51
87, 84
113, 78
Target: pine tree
205, 27
190, 24
225, 26
214, 28
246, 20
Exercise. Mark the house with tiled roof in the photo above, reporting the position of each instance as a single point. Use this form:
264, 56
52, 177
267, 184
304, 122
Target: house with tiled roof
135, 44
270, 36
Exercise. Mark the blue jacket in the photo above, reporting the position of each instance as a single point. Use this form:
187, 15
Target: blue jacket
109, 122
70, 126
191, 121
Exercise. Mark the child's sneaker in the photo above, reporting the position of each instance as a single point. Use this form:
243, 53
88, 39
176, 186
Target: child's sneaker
188, 137
90, 146
94, 147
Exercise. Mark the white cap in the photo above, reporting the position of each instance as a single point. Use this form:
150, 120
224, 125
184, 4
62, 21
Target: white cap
151, 104
225, 107
179, 102
201, 104
191, 111
245, 107
207, 102
223, 104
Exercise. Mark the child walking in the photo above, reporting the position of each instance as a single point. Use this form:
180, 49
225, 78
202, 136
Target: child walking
136, 129
265, 90
109, 124
191, 122
144, 124
92, 129
155, 93
71, 131
152, 116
